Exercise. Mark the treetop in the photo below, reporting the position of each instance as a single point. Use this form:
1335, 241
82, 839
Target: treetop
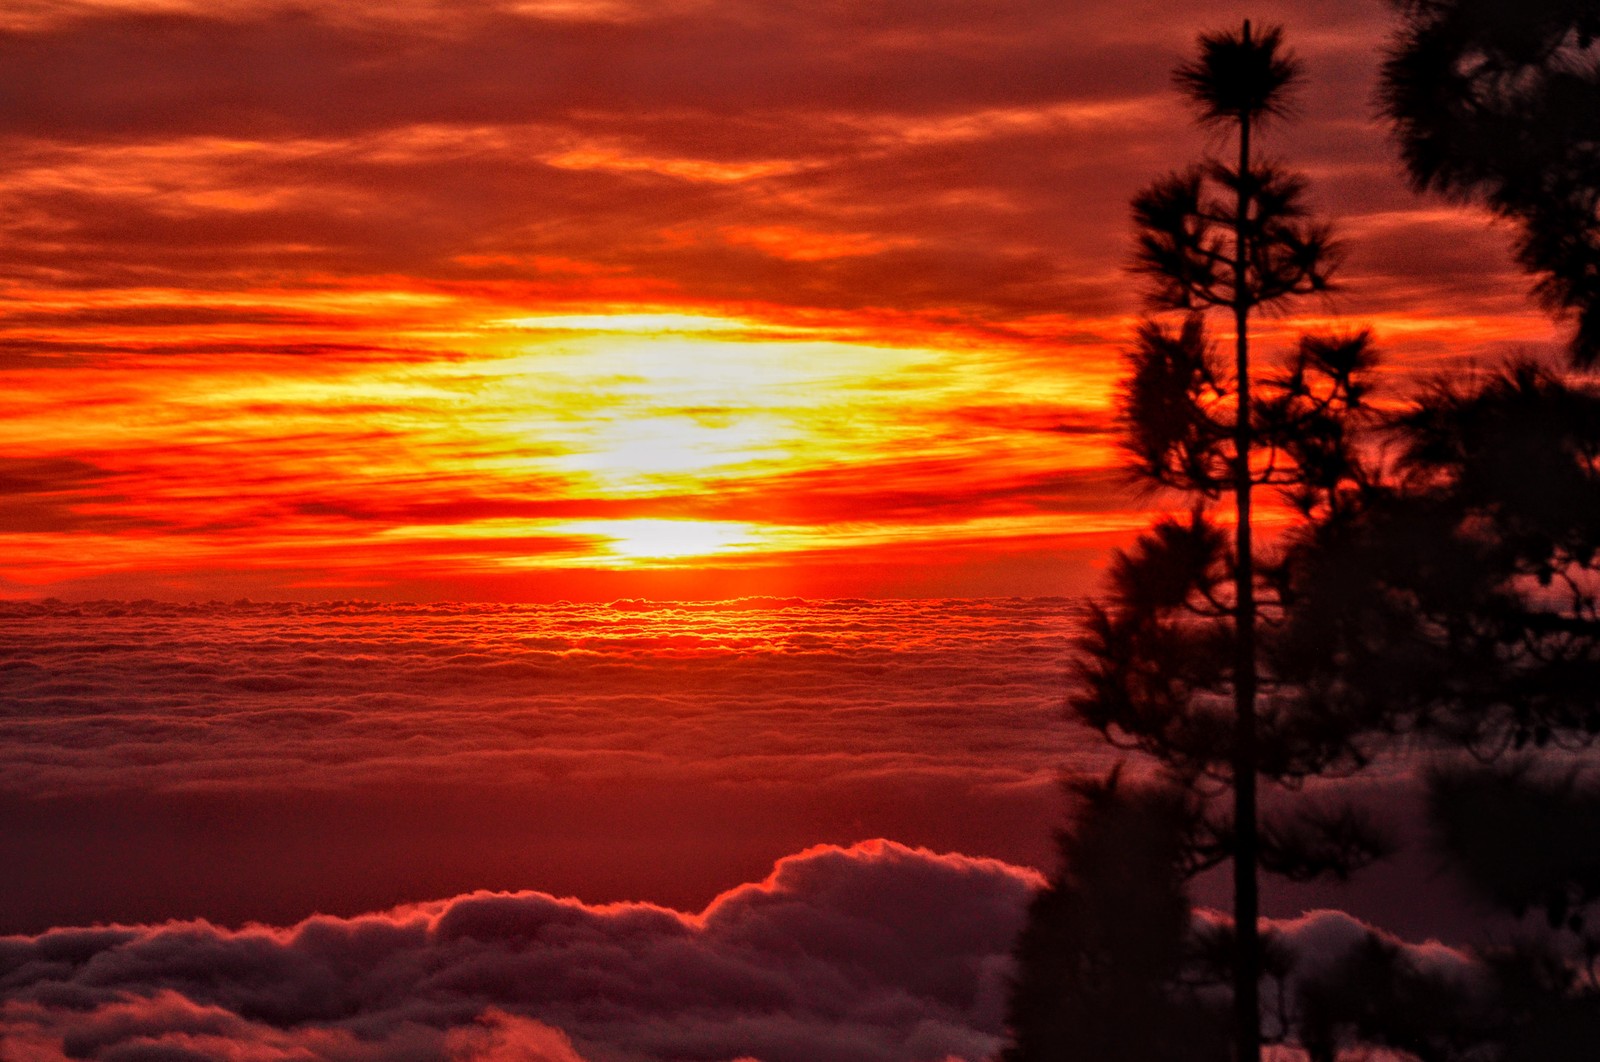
1240, 75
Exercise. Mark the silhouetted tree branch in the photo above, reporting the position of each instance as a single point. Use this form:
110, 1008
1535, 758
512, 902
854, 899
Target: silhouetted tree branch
1500, 103
1459, 600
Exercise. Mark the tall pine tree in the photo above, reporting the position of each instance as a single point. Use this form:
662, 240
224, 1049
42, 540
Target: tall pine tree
1172, 663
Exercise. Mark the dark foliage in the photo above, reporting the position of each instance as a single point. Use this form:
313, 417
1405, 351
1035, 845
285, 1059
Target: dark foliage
1544, 1009
1239, 77
1500, 102
1188, 224
1106, 963
1522, 1003
1444, 584
1525, 840
1461, 599
1374, 996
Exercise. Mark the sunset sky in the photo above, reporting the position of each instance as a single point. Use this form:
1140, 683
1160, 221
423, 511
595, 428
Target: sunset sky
585, 298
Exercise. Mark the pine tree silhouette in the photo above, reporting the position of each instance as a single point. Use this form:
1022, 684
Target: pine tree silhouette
1232, 239
1171, 663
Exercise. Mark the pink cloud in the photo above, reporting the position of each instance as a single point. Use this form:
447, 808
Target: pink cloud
873, 953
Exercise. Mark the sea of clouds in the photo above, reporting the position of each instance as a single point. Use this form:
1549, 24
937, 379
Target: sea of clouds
269, 761
151, 695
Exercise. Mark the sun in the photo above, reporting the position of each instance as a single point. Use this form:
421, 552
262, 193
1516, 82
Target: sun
640, 541
632, 406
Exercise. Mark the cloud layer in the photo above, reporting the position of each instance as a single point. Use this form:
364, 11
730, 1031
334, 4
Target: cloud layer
873, 953
625, 751
157, 697
876, 952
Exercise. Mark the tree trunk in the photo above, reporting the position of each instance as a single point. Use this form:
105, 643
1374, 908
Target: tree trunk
1246, 900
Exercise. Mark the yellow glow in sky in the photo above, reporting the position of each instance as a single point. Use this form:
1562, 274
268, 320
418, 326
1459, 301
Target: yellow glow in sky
655, 540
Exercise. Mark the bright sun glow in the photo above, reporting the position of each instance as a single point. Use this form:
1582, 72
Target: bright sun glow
637, 405
639, 439
655, 540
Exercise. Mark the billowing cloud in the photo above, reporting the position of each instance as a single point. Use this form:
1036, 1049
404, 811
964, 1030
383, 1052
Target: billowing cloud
875, 952
872, 953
